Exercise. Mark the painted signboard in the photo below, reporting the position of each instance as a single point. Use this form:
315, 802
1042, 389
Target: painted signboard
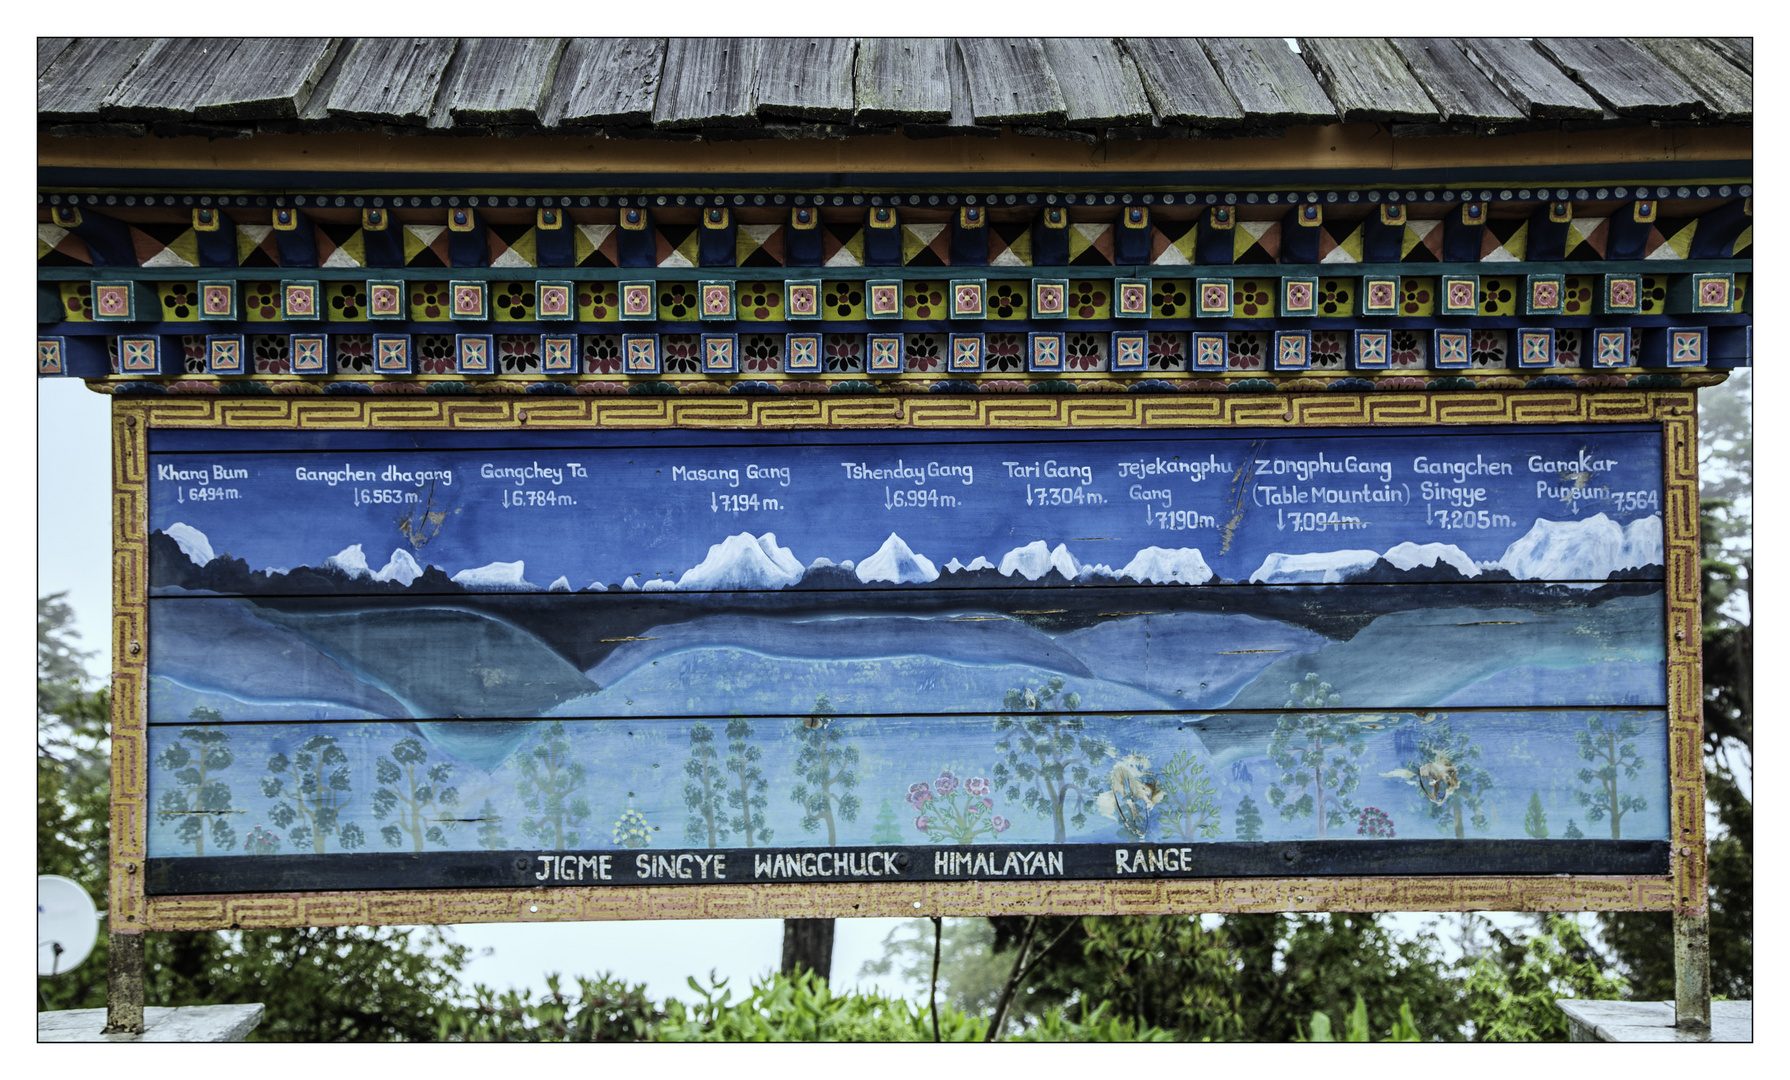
505, 658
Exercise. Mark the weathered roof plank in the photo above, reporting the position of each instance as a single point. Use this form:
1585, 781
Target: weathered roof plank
708, 83
806, 79
903, 80
392, 79
1367, 79
504, 80
1625, 77
168, 79
1722, 87
73, 87
1738, 50
1011, 82
1269, 81
1461, 91
962, 119
1525, 76
1181, 83
266, 78
607, 81
48, 49
1099, 83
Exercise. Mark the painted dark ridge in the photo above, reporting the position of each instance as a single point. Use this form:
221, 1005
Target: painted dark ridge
188, 875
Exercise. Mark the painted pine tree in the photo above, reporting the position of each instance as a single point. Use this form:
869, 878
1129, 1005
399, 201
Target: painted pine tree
705, 790
746, 794
491, 836
1247, 822
312, 789
199, 798
1604, 743
549, 780
416, 791
887, 829
1189, 798
1052, 765
1535, 821
1317, 754
828, 771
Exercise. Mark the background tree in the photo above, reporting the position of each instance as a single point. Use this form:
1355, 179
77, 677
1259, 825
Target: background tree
1050, 758
491, 836
1248, 820
1316, 753
1603, 742
411, 786
549, 779
1535, 819
704, 790
1447, 772
828, 771
887, 829
313, 788
1189, 799
747, 795
198, 798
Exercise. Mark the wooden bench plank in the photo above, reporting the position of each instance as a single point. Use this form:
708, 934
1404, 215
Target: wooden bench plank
1525, 76
903, 80
1627, 78
1461, 91
1181, 83
504, 80
168, 79
266, 78
1011, 82
73, 87
1723, 88
708, 83
806, 79
1099, 83
1367, 79
1269, 81
392, 79
607, 81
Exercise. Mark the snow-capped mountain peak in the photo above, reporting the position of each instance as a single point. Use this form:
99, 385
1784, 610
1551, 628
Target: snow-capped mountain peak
1407, 555
351, 561
1165, 566
743, 561
1036, 559
191, 541
1588, 549
1280, 568
401, 568
896, 562
496, 575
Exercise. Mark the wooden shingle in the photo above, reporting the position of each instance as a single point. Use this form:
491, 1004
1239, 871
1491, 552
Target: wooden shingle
504, 80
1181, 83
392, 79
1011, 82
48, 49
1461, 91
1269, 81
266, 78
607, 82
1367, 79
903, 80
1528, 79
1725, 90
75, 84
1624, 77
1099, 83
708, 83
168, 78
806, 79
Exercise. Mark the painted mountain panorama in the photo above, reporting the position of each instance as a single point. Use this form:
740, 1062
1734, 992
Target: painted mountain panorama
1433, 648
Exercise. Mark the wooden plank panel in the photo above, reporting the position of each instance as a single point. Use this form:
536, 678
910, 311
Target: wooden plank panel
1182, 86
1011, 82
266, 78
1269, 81
1628, 79
48, 49
168, 79
708, 83
81, 78
1461, 91
962, 120
903, 80
1723, 88
607, 81
504, 80
1100, 84
392, 79
806, 78
1523, 75
1367, 79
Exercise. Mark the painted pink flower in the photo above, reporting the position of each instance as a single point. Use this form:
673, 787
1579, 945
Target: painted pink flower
1001, 824
976, 785
988, 804
919, 795
921, 823
946, 783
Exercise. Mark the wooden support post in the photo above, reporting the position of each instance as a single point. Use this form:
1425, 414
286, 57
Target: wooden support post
808, 943
124, 985
1690, 964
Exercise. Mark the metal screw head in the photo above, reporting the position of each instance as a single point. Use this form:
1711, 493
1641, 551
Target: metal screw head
521, 864
137, 646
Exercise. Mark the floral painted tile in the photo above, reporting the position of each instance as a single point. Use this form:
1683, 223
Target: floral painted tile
1168, 349
270, 353
924, 352
354, 353
842, 301
1336, 296
1170, 298
1410, 349
682, 354
1489, 349
519, 354
1417, 296
1329, 349
924, 300
762, 352
344, 301
513, 301
1006, 352
1254, 299
843, 352
597, 301
1498, 295
760, 301
603, 354
678, 302
1090, 300
435, 354
1085, 352
1248, 350
180, 300
1008, 300
429, 301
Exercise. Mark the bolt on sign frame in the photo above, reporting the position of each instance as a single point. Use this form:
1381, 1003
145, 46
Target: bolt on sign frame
177, 457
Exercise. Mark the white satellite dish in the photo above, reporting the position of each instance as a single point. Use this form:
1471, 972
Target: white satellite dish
67, 924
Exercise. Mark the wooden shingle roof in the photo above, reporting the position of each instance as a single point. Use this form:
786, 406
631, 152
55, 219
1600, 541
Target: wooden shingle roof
732, 88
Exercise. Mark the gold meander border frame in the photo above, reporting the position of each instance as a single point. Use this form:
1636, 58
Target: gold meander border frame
1684, 890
